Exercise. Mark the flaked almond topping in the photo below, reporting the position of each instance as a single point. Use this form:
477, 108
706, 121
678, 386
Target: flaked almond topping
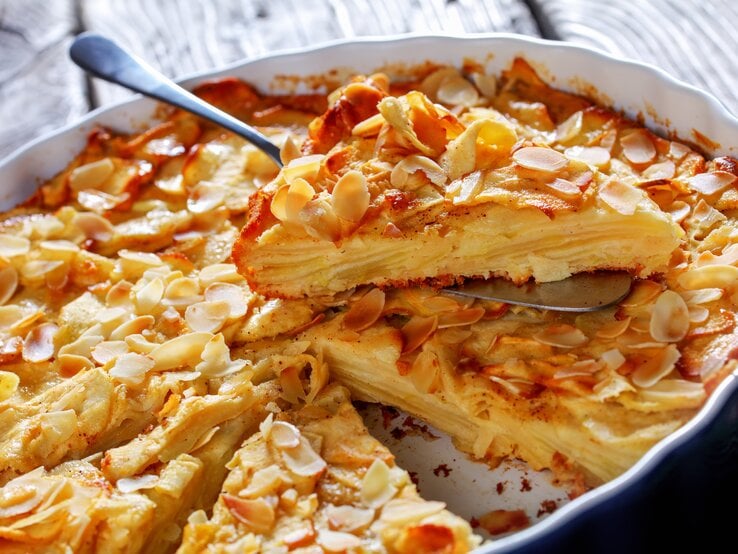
698, 314
82, 346
219, 273
561, 335
591, 155
150, 296
8, 384
614, 329
366, 311
348, 518
182, 287
622, 198
208, 316
440, 303
99, 201
11, 245
206, 197
679, 210
638, 147
140, 344
729, 256
457, 91
108, 350
669, 317
656, 367
303, 536
369, 127
661, 170
71, 364
711, 183
709, 276
265, 481
417, 331
403, 511
425, 372
132, 327
613, 359
93, 226
336, 541
288, 151
111, 316
21, 496
233, 295
284, 435
564, 188
319, 220
8, 283
147, 259
459, 318
485, 83
91, 175
119, 294
10, 316
350, 196
376, 485
133, 484
257, 514
58, 249
302, 460
39, 343
184, 350
131, 368
537, 158
216, 359
569, 128
305, 167
642, 293
38, 269
702, 296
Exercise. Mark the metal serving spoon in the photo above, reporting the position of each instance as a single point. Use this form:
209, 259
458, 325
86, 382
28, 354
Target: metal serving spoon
103, 58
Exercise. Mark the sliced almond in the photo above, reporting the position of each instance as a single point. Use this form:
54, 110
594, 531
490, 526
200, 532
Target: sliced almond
8, 384
562, 336
219, 273
457, 91
233, 295
679, 210
366, 311
133, 326
99, 201
305, 167
10, 316
208, 316
729, 256
656, 368
638, 147
181, 351
336, 541
376, 486
302, 536
257, 514
133, 484
71, 364
537, 158
404, 511
108, 350
140, 344
564, 188
669, 317
91, 175
614, 329
39, 343
570, 128
591, 155
458, 318
131, 368
302, 460
350, 196
284, 435
698, 314
711, 183
661, 170
94, 227
149, 296
8, 283
613, 359
702, 296
11, 245
642, 293
709, 276
417, 331
265, 481
216, 359
36, 270
425, 372
22, 495
206, 197
622, 198
348, 518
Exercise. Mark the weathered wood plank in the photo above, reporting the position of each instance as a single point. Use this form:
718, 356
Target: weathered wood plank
180, 37
694, 40
39, 87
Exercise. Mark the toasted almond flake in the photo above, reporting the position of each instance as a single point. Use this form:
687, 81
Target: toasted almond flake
669, 317
591, 155
457, 91
537, 158
182, 287
613, 359
91, 175
698, 314
38, 269
417, 331
10, 316
561, 335
642, 293
613, 329
207, 316
8, 283
93, 226
233, 295
336, 541
219, 273
305, 167
729, 256
8, 384
569, 128
216, 359
702, 296
39, 343
21, 496
425, 372
679, 210
184, 350
265, 481
303, 536
284, 435
132, 327
369, 127
149, 296
131, 368
133, 484
99, 201
108, 350
58, 249
302, 460
144, 258
350, 196
661, 170
638, 147
656, 368
486, 84
348, 518
288, 151
139, 344
82, 346
11, 245
711, 183
367, 310
564, 188
257, 514
622, 198
71, 364
376, 486
709, 276
404, 511
111, 316
460, 318
206, 197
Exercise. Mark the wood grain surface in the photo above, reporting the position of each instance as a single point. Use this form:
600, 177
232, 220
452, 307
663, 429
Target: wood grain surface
40, 89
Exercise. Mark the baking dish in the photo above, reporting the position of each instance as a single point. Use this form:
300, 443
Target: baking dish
637, 89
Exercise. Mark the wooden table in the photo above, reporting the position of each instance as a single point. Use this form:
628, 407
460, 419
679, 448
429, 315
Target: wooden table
696, 40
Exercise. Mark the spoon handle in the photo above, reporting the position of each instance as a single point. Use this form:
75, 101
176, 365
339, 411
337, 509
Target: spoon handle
104, 58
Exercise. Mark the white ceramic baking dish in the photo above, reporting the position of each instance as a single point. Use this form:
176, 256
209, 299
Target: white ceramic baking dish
664, 103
